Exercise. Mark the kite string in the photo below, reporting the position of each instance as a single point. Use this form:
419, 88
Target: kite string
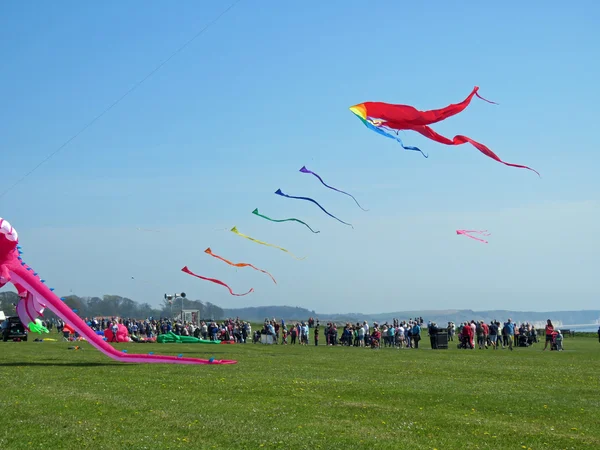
133, 88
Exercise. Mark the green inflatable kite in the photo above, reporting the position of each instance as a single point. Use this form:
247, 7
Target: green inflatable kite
171, 338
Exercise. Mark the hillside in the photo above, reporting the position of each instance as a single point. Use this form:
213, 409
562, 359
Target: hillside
110, 305
441, 317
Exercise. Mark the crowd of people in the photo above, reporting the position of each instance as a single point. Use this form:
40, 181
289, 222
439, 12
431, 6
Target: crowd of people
230, 329
398, 334
406, 333
478, 334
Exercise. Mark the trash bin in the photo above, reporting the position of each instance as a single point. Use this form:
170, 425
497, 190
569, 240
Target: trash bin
442, 340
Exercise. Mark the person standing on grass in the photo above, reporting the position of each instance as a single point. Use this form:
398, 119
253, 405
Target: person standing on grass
505, 335
510, 332
400, 338
293, 333
304, 331
479, 333
493, 334
6, 330
416, 334
433, 331
361, 336
486, 333
549, 330
316, 336
598, 334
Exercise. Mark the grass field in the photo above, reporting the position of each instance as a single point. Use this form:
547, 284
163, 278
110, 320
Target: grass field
302, 398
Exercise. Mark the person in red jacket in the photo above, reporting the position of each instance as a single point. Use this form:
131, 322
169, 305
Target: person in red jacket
549, 331
486, 332
467, 334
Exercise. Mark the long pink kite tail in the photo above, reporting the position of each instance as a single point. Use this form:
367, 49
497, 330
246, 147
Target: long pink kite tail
35, 295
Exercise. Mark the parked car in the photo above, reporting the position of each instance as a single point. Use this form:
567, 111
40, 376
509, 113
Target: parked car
16, 330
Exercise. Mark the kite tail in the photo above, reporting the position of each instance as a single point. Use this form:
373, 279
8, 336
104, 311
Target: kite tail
235, 230
305, 170
278, 192
188, 271
473, 237
407, 147
387, 132
437, 115
482, 232
460, 139
255, 212
209, 251
477, 239
485, 99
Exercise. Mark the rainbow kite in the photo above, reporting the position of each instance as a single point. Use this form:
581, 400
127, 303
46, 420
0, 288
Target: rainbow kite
188, 271
209, 251
305, 170
278, 192
235, 230
256, 213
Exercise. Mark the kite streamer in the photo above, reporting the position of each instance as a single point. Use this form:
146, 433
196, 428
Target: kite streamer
466, 233
188, 271
209, 251
255, 212
388, 133
305, 170
387, 119
235, 230
278, 192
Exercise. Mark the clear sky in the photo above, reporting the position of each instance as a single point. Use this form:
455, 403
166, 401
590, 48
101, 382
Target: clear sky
266, 90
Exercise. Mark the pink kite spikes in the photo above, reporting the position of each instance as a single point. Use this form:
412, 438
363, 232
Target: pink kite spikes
467, 234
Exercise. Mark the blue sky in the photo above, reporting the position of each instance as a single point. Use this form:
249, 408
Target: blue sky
266, 90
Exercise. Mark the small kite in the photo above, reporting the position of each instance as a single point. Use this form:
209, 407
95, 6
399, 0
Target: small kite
388, 119
235, 230
278, 192
467, 234
305, 170
255, 212
209, 251
188, 271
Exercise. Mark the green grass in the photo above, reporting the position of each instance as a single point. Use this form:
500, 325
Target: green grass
302, 398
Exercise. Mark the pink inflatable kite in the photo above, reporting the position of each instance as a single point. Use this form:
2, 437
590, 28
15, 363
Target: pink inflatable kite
121, 334
35, 296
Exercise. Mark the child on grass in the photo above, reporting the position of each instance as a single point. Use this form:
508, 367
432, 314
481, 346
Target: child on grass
559, 340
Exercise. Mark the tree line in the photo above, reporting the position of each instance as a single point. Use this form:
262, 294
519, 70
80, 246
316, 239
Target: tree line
115, 305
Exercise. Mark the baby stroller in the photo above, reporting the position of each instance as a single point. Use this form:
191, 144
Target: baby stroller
375, 341
553, 343
463, 342
523, 341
